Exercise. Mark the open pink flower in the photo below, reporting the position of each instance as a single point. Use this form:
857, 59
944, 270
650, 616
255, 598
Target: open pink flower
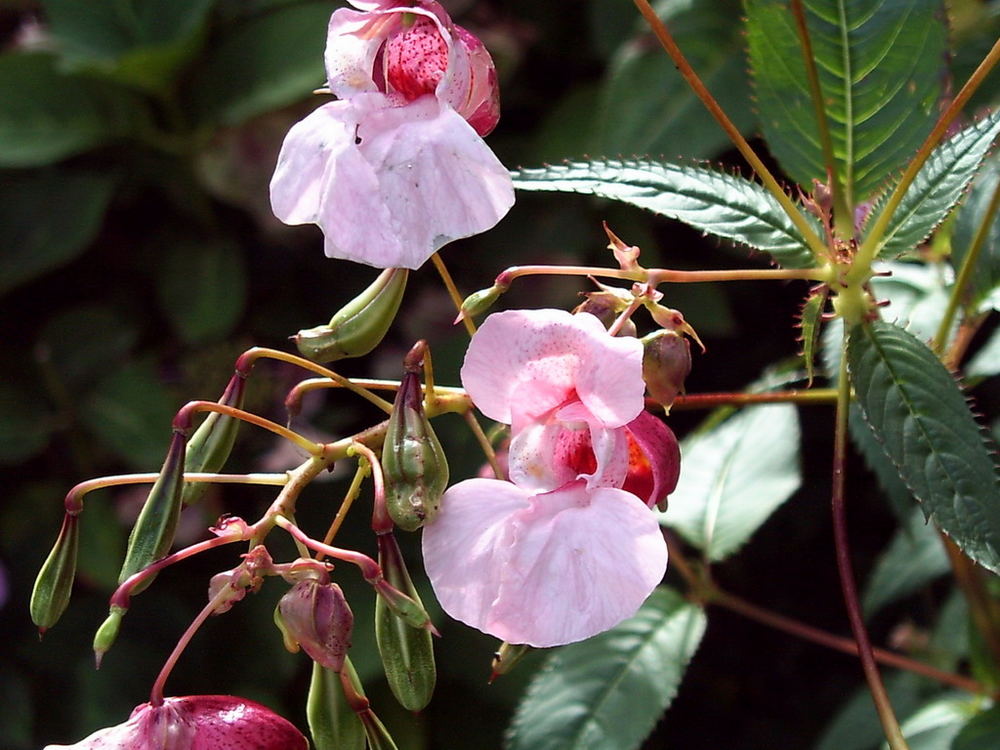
568, 548
396, 168
198, 722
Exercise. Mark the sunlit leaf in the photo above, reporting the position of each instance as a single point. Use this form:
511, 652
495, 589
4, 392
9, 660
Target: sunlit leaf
881, 68
919, 415
937, 724
721, 204
855, 725
968, 221
606, 693
734, 477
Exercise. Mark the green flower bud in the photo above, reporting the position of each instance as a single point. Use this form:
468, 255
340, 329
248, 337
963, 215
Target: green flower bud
315, 615
106, 635
54, 584
407, 653
153, 533
413, 462
508, 655
479, 302
212, 442
360, 325
333, 723
666, 363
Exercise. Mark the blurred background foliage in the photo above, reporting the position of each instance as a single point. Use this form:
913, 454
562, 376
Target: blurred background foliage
138, 258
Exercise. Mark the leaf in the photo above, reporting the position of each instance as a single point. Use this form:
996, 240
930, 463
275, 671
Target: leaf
968, 220
936, 725
914, 558
919, 415
982, 733
896, 492
985, 362
648, 108
267, 62
809, 322
140, 42
48, 218
734, 477
881, 67
856, 726
606, 693
48, 115
714, 202
202, 289
938, 186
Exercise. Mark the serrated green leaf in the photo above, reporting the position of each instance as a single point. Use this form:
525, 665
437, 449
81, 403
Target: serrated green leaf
914, 558
646, 105
139, 42
935, 726
606, 693
721, 204
981, 733
267, 62
812, 313
968, 220
939, 185
896, 492
881, 67
48, 218
202, 289
734, 477
919, 415
48, 115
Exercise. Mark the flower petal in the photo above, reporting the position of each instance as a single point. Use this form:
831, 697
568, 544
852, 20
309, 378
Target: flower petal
546, 569
653, 473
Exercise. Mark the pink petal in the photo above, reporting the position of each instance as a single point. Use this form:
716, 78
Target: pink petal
521, 364
660, 462
351, 47
482, 106
546, 569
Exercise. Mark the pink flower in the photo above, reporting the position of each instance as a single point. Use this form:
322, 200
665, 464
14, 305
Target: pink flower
568, 548
198, 722
396, 168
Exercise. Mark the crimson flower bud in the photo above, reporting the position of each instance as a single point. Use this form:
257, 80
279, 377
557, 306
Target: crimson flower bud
666, 363
315, 615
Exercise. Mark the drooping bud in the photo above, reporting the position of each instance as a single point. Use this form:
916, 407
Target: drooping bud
107, 634
54, 583
360, 325
205, 722
333, 724
315, 615
666, 363
506, 657
413, 461
153, 533
407, 653
479, 302
606, 305
212, 442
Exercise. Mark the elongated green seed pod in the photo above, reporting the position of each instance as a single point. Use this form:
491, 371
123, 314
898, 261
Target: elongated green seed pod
360, 325
333, 724
378, 736
407, 653
154, 530
212, 442
413, 462
54, 583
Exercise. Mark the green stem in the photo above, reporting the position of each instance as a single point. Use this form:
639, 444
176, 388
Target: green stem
883, 706
861, 266
484, 444
456, 298
958, 290
815, 243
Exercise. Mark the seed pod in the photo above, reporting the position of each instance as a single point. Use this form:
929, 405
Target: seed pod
212, 442
315, 615
407, 653
413, 462
400, 604
333, 723
378, 736
54, 583
360, 325
106, 635
666, 363
479, 302
154, 530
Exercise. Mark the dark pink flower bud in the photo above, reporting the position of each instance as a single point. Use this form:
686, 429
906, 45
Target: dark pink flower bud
199, 722
315, 615
666, 363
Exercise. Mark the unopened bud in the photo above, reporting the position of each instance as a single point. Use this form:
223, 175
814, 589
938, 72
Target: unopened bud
407, 653
606, 305
360, 325
210, 445
106, 635
315, 615
479, 302
153, 533
506, 657
413, 461
54, 584
666, 363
